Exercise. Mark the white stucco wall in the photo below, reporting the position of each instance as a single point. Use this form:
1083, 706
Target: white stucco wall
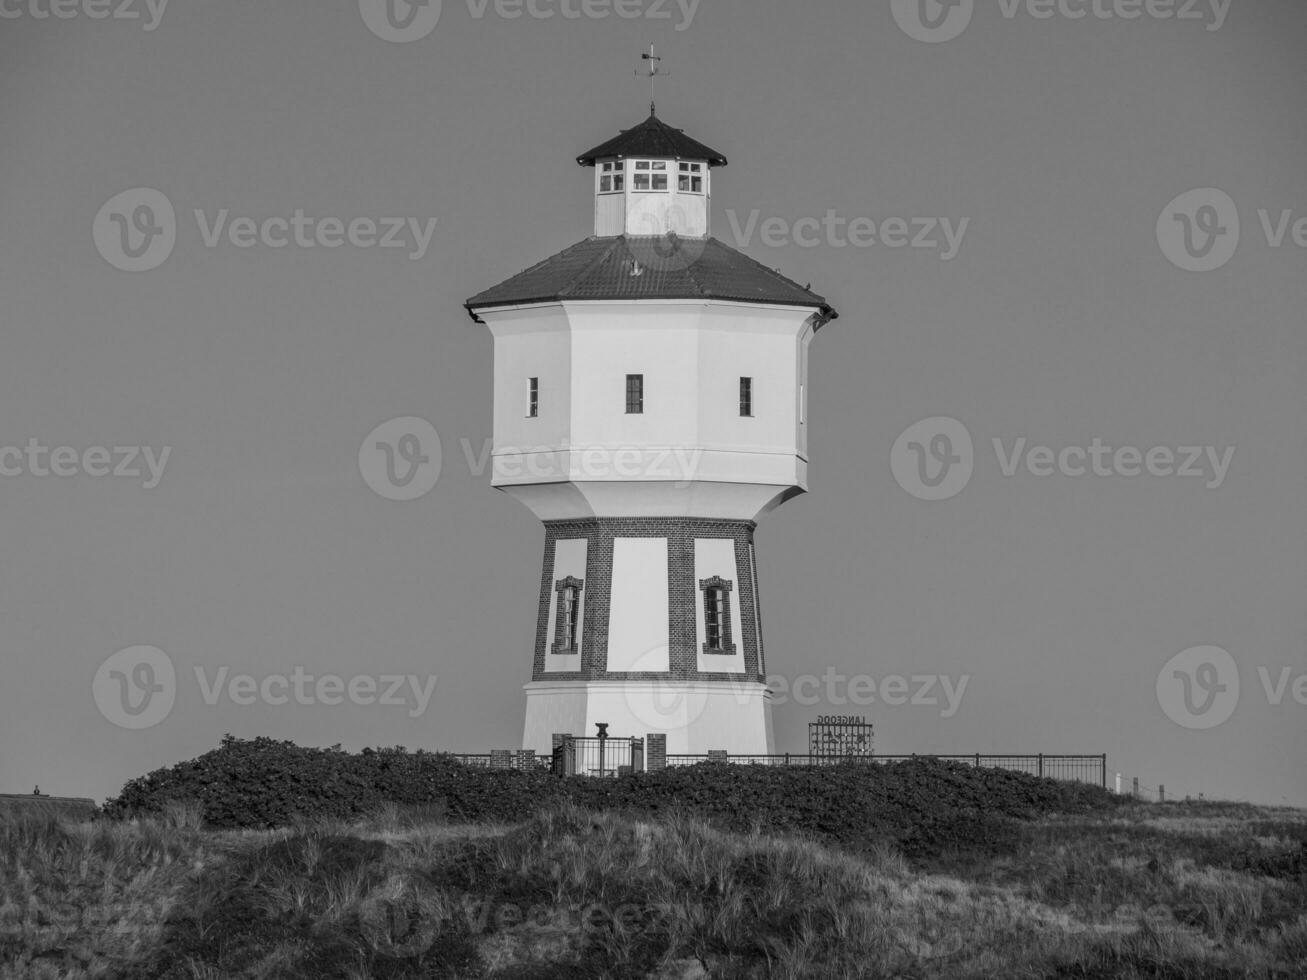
690, 437
532, 344
696, 717
716, 556
638, 609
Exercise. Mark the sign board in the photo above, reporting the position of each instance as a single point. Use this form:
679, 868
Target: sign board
840, 736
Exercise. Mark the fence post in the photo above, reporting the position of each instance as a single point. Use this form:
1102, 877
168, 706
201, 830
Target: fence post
718, 755
657, 758
564, 756
1118, 784
977, 760
1040, 764
1135, 790
603, 738
1161, 793
526, 759
637, 754
501, 759
1103, 770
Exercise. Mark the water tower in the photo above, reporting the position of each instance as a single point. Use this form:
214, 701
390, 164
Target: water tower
650, 404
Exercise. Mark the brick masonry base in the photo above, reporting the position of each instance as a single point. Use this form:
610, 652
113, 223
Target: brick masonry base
682, 589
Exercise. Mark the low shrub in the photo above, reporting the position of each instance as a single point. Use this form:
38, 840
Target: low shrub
923, 805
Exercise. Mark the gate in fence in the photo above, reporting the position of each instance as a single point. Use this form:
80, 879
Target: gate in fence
603, 756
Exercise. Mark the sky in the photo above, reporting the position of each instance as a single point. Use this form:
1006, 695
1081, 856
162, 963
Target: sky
1063, 239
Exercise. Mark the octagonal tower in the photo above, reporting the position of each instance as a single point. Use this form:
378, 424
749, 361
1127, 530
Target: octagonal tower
650, 404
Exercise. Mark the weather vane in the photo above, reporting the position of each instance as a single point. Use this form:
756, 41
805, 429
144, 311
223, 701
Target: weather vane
653, 73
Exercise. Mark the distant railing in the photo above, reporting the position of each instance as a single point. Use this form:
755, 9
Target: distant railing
503, 759
574, 755
73, 808
1074, 768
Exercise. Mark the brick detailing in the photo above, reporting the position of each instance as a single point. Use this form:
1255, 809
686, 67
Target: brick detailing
501, 759
655, 752
683, 595
757, 609
718, 755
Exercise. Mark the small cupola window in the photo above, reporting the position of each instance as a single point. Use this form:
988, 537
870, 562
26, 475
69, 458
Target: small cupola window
650, 175
612, 177
690, 180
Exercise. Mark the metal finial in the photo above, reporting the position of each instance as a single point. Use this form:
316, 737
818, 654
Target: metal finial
654, 73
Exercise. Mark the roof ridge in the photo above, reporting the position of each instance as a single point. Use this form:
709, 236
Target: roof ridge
603, 257
689, 269
557, 255
773, 273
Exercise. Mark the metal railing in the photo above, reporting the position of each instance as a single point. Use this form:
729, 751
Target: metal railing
502, 759
1074, 768
588, 756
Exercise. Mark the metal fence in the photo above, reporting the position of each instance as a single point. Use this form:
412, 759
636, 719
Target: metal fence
581, 756
1074, 768
503, 759
578, 756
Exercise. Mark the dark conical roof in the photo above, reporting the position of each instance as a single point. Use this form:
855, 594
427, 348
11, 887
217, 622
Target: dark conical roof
653, 138
627, 267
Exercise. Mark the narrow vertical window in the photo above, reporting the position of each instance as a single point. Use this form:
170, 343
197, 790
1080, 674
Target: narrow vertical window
746, 397
717, 615
533, 398
635, 394
803, 407
567, 619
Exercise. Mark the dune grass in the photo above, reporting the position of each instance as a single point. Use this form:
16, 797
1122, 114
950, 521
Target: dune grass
1172, 892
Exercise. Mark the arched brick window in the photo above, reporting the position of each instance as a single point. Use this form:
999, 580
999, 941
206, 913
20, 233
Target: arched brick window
567, 619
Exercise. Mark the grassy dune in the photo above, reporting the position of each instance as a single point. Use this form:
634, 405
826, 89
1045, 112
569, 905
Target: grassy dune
1159, 891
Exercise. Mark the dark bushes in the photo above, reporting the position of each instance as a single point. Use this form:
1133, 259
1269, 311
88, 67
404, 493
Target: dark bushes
924, 805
